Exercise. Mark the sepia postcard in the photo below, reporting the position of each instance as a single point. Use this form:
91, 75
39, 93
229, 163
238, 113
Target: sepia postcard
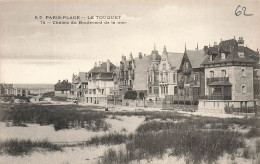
129, 81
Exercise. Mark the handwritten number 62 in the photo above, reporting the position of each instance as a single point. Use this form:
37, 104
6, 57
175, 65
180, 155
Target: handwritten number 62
238, 12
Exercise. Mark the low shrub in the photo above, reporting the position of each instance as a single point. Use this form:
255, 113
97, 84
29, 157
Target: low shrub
253, 132
108, 139
17, 147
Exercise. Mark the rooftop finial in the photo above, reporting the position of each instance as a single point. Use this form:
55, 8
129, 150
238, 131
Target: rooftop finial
154, 46
185, 46
197, 46
209, 44
234, 37
164, 50
221, 39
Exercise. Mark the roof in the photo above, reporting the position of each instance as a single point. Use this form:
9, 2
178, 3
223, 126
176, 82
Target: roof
225, 83
102, 75
103, 68
83, 77
196, 57
7, 86
141, 67
62, 86
175, 59
231, 47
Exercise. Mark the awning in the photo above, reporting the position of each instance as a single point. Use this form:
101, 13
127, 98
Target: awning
221, 83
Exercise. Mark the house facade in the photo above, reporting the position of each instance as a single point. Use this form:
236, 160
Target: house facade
190, 84
62, 90
126, 74
100, 83
79, 86
168, 66
228, 76
153, 76
7, 89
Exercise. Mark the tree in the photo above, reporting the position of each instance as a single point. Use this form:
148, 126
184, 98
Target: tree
141, 95
130, 95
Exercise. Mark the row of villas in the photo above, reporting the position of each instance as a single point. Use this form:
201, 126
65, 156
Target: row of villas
225, 74
11, 90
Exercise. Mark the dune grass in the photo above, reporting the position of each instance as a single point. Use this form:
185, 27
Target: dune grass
17, 147
60, 116
196, 139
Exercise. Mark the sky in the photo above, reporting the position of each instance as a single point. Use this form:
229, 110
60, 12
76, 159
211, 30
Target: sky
31, 52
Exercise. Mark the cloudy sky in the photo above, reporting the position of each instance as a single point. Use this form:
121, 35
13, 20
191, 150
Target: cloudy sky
31, 52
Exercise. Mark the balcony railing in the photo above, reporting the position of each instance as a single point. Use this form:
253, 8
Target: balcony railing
216, 79
186, 70
216, 97
182, 97
180, 84
194, 83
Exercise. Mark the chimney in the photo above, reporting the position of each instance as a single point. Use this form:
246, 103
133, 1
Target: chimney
140, 56
241, 42
215, 44
131, 56
108, 65
99, 63
241, 47
59, 81
205, 49
95, 65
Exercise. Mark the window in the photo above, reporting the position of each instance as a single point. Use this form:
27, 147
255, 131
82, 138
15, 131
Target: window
150, 89
195, 77
186, 64
223, 55
62, 92
243, 88
211, 74
224, 73
164, 66
243, 72
174, 78
166, 77
150, 79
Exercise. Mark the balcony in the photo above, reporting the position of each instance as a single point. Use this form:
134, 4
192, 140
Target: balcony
180, 84
217, 79
186, 70
194, 83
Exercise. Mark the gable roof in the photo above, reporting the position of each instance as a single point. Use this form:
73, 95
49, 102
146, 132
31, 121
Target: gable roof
232, 48
196, 57
175, 59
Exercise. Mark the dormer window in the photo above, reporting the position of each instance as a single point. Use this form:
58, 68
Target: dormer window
241, 54
210, 57
223, 55
187, 64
